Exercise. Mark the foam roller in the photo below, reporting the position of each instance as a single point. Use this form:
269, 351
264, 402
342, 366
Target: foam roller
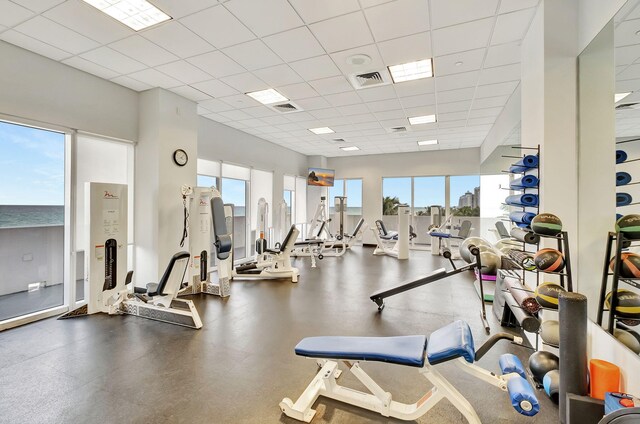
623, 199
528, 323
522, 217
522, 200
510, 363
525, 236
523, 165
622, 178
523, 259
523, 298
523, 398
573, 347
621, 156
527, 181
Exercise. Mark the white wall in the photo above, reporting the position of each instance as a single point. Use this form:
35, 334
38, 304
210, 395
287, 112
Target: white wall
505, 123
219, 142
40, 89
593, 15
372, 168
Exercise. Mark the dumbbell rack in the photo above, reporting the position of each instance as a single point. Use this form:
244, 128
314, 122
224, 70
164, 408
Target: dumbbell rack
621, 242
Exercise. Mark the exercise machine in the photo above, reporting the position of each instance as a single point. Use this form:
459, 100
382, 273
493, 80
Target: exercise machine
261, 230
318, 225
319, 249
439, 274
462, 233
400, 239
110, 289
453, 342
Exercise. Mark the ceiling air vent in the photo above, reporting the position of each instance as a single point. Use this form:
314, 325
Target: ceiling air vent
286, 107
370, 79
626, 106
338, 140
394, 130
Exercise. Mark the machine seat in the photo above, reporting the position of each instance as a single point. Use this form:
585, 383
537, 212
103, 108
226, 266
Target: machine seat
450, 342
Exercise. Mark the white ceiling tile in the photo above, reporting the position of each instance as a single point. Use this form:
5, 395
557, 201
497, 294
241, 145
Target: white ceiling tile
216, 64
390, 114
331, 85
315, 68
462, 106
178, 9
455, 81
143, 51
498, 101
492, 90
37, 46
452, 124
383, 105
625, 33
406, 49
390, 123
55, 34
278, 75
313, 103
37, 5
482, 113
363, 121
630, 72
12, 14
458, 62
412, 88
240, 101
113, 60
265, 17
219, 118
155, 78
511, 5
190, 93
214, 105
446, 13
245, 82
215, 88
452, 116
235, 115
90, 67
512, 26
343, 99
419, 100
295, 44
218, 27
503, 54
131, 83
342, 32
176, 38
297, 91
288, 126
355, 109
341, 59
260, 112
500, 74
88, 21
313, 11
253, 55
467, 36
298, 116
420, 110
337, 120
325, 113
184, 71
397, 19
479, 121
373, 94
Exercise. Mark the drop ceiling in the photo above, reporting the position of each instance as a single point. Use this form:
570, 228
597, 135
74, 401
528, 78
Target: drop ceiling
627, 58
213, 52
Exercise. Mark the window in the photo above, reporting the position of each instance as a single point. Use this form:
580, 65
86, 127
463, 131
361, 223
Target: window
261, 188
288, 199
395, 191
428, 192
492, 208
234, 188
336, 190
207, 181
465, 195
32, 220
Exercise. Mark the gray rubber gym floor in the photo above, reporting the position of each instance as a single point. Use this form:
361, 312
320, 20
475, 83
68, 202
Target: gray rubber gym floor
237, 368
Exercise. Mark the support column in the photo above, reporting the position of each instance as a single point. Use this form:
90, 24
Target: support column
167, 122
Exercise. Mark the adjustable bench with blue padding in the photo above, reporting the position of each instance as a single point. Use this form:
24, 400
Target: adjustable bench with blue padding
452, 342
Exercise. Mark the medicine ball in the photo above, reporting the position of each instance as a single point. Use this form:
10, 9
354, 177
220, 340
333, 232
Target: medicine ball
628, 305
547, 224
551, 383
490, 263
465, 254
547, 295
627, 339
550, 332
629, 225
541, 362
549, 260
629, 266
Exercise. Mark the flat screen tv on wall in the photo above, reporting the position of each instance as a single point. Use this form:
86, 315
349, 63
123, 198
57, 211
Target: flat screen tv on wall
320, 177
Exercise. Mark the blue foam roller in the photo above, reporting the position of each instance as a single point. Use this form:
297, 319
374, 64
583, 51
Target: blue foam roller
622, 199
510, 363
522, 200
621, 156
527, 181
524, 164
618, 216
622, 178
523, 399
522, 217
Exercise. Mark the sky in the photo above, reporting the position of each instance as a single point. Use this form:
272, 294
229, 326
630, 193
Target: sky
31, 166
428, 190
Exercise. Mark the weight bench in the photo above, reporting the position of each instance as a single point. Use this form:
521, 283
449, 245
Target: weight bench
463, 233
453, 342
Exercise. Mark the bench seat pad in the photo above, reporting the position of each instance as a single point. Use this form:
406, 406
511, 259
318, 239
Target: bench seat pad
450, 342
402, 350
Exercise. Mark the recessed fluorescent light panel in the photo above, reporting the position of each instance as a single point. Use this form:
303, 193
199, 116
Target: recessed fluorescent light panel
427, 142
321, 130
136, 14
267, 97
425, 119
350, 148
620, 96
411, 71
